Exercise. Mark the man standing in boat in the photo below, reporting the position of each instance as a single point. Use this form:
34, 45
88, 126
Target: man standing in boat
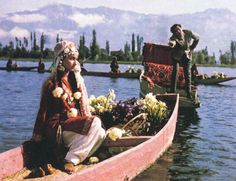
114, 65
9, 64
183, 43
41, 66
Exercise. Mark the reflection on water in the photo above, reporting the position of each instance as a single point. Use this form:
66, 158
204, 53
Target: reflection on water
204, 146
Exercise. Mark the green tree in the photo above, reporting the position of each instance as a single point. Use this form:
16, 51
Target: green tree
57, 39
139, 44
10, 49
31, 41
25, 42
82, 47
94, 48
35, 42
225, 58
127, 52
107, 48
232, 50
133, 43
200, 58
42, 43
17, 42
0, 49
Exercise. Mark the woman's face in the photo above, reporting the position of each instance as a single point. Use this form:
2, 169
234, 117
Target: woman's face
70, 62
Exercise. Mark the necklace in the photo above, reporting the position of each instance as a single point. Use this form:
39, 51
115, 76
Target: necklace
68, 92
68, 97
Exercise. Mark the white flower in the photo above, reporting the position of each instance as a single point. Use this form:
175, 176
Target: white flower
112, 94
57, 92
64, 96
91, 108
67, 50
115, 133
93, 159
77, 95
92, 98
72, 113
73, 49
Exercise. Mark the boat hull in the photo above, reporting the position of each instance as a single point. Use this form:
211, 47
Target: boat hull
19, 68
123, 166
112, 75
212, 81
84, 73
184, 102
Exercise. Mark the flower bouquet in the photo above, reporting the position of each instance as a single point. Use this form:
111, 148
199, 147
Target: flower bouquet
133, 116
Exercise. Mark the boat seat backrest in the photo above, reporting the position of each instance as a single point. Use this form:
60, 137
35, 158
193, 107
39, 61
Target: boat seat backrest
160, 74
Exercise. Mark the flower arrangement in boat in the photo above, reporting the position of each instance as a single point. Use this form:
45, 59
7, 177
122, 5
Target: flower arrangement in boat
218, 75
133, 70
102, 103
135, 116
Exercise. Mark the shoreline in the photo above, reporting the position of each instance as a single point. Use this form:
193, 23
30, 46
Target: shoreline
108, 62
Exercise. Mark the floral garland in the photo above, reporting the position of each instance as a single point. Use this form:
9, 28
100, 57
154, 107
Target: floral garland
59, 92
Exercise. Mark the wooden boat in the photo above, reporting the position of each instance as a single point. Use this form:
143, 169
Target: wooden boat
124, 166
109, 74
85, 73
212, 81
19, 68
184, 101
112, 75
160, 56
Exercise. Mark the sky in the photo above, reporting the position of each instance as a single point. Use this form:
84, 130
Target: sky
167, 7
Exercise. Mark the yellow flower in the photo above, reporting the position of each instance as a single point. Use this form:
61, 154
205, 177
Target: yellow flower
77, 95
101, 100
115, 133
101, 109
72, 113
57, 92
93, 159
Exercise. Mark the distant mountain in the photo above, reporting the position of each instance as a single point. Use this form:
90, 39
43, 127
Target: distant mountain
216, 27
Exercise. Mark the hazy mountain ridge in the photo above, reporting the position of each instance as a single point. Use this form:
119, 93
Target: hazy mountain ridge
216, 27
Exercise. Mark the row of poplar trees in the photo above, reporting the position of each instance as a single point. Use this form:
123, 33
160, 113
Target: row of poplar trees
24, 48
31, 49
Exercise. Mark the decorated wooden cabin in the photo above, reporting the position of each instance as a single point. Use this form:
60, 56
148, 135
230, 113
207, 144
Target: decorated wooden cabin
158, 70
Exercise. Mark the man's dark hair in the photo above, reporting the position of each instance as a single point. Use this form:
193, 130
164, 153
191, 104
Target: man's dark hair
172, 28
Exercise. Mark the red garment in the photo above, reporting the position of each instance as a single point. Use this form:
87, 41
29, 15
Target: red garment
53, 112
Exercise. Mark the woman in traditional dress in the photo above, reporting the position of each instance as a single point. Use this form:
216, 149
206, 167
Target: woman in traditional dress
64, 117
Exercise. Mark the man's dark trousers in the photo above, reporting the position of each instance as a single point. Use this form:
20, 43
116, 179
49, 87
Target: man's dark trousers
187, 76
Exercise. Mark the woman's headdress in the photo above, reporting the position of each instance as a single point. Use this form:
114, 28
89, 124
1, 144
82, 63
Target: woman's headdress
62, 50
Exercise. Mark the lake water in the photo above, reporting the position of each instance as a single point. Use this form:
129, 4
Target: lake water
204, 146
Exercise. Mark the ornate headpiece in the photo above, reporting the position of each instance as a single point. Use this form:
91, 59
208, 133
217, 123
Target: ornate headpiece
62, 50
